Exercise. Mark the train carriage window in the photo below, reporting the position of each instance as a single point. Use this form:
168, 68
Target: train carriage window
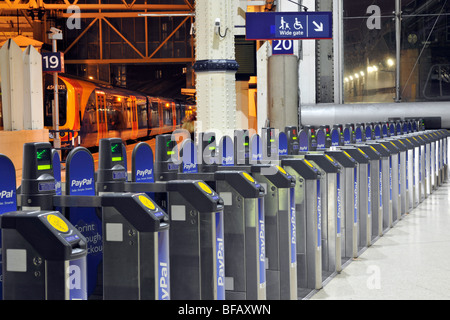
128, 112
117, 113
142, 113
155, 118
90, 116
167, 113
178, 108
100, 107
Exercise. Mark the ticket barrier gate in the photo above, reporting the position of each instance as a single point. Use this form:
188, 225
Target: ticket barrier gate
347, 202
438, 157
418, 169
43, 256
402, 176
244, 224
431, 166
444, 157
351, 132
388, 186
308, 206
423, 179
408, 180
279, 214
194, 265
144, 218
427, 164
376, 188
280, 231
330, 215
308, 220
135, 231
364, 194
306, 138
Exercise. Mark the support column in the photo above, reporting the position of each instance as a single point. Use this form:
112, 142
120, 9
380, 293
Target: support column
307, 68
283, 82
215, 66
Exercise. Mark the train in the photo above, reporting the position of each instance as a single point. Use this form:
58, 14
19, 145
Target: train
94, 110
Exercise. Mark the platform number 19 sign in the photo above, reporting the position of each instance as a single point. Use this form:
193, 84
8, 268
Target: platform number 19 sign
52, 62
282, 47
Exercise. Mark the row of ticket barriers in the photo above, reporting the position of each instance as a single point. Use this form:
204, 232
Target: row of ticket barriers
243, 218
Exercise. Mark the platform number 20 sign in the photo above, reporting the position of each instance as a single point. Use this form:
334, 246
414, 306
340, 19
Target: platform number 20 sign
52, 62
283, 47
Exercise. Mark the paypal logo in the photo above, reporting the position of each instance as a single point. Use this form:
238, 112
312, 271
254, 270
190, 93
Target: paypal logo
84, 182
143, 173
228, 160
189, 166
6, 194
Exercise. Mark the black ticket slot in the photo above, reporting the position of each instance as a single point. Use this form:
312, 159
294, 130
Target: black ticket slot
292, 139
241, 147
43, 256
38, 183
112, 169
166, 150
207, 141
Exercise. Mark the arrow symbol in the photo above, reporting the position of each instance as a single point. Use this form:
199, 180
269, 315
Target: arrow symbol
319, 27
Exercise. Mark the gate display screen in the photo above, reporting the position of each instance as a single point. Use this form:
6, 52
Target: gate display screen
116, 151
43, 157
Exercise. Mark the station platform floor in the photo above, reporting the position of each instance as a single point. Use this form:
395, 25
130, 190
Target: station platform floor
411, 261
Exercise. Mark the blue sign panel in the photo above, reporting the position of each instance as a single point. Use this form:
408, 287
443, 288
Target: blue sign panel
8, 199
52, 62
303, 141
189, 157
347, 136
319, 216
385, 130
80, 181
288, 25
335, 138
256, 148
220, 256
163, 266
293, 227
321, 139
368, 133
338, 203
282, 47
377, 132
142, 164
282, 144
7, 185
262, 243
226, 151
358, 135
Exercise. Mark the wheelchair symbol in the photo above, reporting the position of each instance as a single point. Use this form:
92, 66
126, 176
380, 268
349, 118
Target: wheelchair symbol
298, 25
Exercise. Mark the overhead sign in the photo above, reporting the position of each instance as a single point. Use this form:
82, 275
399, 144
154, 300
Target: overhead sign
288, 25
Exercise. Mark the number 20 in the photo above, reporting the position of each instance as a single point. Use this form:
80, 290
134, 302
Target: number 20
283, 45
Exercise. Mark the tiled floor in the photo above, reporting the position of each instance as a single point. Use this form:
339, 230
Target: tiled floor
410, 261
